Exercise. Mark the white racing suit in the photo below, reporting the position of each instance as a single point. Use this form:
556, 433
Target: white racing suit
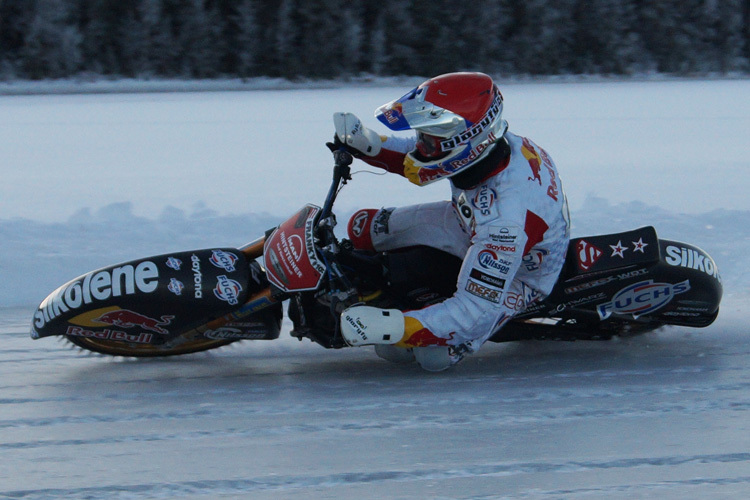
511, 230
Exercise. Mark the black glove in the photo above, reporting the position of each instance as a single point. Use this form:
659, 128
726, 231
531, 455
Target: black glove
337, 145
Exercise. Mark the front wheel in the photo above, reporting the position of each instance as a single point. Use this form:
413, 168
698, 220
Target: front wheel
128, 349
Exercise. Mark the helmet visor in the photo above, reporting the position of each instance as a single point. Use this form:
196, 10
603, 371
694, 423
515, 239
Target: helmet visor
429, 147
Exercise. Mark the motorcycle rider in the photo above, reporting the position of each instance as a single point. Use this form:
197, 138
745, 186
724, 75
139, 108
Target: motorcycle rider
507, 218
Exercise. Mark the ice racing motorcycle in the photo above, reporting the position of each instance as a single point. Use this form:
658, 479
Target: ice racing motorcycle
179, 303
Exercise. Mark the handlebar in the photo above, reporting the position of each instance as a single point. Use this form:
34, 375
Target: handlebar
343, 291
341, 173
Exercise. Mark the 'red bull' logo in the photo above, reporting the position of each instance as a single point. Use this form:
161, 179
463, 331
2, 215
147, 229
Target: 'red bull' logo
394, 113
535, 161
125, 318
424, 338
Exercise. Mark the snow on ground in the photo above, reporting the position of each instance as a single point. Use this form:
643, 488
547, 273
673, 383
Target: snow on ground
90, 180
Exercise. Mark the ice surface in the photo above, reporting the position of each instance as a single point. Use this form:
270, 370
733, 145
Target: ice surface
89, 180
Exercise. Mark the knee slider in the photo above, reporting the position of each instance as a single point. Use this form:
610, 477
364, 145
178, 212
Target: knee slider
359, 228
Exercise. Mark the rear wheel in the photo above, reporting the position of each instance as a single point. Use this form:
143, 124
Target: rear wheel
117, 348
571, 329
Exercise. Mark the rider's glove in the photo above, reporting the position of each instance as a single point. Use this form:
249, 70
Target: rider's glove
357, 138
366, 325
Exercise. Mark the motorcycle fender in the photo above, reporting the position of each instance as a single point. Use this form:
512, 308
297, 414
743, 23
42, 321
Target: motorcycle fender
150, 300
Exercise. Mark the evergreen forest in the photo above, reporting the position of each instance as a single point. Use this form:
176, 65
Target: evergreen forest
42, 39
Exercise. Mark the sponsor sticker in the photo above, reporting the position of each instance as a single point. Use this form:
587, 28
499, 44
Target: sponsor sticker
107, 334
487, 279
691, 259
532, 261
234, 333
537, 160
98, 286
174, 263
483, 199
125, 318
227, 290
356, 325
642, 298
359, 222
253, 306
490, 260
580, 301
380, 224
587, 255
223, 260
483, 292
467, 214
605, 280
476, 129
504, 235
175, 286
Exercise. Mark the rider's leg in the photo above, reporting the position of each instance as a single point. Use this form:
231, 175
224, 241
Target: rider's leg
432, 224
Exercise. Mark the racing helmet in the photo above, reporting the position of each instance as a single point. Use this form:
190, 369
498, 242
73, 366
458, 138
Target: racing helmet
457, 118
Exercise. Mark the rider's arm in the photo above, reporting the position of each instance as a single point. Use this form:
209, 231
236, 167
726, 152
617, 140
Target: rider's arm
391, 155
377, 150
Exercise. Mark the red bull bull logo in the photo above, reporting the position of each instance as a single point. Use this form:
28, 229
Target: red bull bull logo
394, 112
535, 161
125, 318
424, 338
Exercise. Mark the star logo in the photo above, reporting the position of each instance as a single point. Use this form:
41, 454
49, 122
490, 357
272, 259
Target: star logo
639, 246
618, 250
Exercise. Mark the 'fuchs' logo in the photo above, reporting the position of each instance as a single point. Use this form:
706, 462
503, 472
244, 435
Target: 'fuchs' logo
642, 298
223, 260
227, 290
484, 199
174, 263
175, 286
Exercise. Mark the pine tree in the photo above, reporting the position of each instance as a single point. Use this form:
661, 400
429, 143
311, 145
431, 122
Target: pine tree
247, 46
352, 31
200, 38
285, 62
52, 48
378, 59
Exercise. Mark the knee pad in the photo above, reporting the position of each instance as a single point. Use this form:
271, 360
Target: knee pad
359, 228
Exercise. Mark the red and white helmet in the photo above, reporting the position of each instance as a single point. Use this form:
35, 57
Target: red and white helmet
457, 117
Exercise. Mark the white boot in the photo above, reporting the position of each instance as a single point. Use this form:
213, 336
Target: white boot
367, 325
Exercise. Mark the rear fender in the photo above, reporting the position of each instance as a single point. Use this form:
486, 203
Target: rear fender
634, 276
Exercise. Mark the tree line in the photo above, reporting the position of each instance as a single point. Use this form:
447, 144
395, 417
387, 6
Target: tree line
333, 38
